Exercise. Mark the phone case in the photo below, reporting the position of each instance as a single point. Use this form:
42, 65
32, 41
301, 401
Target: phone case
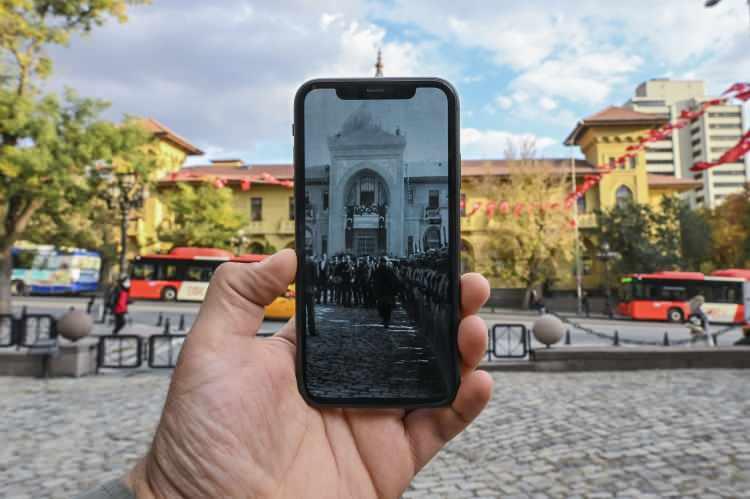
453, 236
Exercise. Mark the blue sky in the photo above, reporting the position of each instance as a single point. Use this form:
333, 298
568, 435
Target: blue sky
223, 74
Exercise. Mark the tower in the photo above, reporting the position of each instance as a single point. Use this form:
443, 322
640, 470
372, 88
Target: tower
379, 65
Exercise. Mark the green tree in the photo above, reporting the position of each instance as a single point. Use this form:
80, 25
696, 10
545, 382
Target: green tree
529, 240
730, 226
647, 239
47, 145
201, 215
697, 238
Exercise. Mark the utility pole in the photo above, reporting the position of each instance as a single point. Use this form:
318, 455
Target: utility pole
579, 293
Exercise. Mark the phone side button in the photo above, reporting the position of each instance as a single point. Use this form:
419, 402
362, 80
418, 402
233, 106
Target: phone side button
292, 129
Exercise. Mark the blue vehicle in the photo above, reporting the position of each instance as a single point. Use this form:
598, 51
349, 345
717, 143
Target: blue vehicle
46, 270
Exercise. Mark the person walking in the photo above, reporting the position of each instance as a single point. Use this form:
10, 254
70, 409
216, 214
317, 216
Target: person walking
585, 303
696, 311
121, 300
385, 287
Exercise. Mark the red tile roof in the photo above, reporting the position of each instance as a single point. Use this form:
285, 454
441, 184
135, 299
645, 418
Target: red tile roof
668, 181
615, 116
166, 133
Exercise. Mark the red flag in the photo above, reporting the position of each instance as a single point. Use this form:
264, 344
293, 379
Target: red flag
491, 205
475, 207
737, 87
743, 96
218, 183
714, 102
634, 147
702, 165
504, 207
245, 184
518, 210
463, 203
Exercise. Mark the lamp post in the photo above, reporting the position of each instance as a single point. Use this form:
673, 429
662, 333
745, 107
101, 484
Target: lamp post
605, 255
125, 194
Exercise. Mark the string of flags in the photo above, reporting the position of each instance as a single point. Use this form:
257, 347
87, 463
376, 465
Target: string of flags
245, 183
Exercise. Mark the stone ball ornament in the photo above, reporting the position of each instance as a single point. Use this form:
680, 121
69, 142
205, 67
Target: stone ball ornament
74, 325
548, 329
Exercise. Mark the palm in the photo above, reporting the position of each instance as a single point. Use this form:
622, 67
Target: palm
235, 425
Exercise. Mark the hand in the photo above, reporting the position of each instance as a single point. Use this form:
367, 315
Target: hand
234, 424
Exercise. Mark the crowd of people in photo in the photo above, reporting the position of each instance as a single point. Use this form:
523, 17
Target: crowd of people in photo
419, 283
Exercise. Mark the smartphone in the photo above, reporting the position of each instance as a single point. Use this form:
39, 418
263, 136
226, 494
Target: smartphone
376, 189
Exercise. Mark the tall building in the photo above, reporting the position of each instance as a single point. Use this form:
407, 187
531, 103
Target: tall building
705, 140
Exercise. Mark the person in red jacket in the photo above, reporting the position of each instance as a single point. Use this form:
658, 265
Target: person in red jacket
122, 298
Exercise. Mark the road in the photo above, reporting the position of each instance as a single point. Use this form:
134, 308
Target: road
147, 312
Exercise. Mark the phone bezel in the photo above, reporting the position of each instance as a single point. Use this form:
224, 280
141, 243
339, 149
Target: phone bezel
395, 86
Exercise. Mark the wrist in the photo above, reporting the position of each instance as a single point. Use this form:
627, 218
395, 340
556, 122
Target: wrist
137, 481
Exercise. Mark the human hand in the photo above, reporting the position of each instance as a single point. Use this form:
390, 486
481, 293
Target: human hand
234, 424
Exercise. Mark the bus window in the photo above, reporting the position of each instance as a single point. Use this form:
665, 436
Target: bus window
143, 270
168, 272
199, 273
673, 293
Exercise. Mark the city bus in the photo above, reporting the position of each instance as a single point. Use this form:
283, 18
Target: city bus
47, 270
664, 296
184, 274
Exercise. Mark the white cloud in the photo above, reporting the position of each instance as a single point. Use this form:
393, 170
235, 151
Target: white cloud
492, 144
547, 104
327, 19
504, 102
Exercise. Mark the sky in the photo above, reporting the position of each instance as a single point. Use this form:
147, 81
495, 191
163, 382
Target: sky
423, 120
223, 74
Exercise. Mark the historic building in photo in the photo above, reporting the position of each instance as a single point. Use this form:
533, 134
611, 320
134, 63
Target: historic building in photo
383, 205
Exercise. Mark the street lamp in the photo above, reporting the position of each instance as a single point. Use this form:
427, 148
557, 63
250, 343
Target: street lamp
605, 255
124, 193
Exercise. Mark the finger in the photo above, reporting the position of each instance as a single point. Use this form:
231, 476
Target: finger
475, 290
239, 292
287, 333
428, 430
472, 342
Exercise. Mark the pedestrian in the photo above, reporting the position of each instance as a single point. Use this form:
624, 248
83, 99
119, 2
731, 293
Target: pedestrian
585, 303
696, 311
121, 300
386, 287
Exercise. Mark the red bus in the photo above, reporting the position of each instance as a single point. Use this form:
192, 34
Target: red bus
184, 275
664, 296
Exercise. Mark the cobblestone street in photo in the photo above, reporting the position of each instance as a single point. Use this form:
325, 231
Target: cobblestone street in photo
594, 435
360, 358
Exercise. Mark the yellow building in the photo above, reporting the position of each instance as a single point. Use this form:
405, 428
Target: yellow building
603, 137
171, 150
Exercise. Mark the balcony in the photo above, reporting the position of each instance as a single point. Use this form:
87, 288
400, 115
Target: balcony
286, 227
256, 227
309, 213
432, 215
366, 216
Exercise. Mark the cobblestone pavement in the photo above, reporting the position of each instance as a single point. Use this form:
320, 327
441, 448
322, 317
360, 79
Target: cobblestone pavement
348, 359
589, 435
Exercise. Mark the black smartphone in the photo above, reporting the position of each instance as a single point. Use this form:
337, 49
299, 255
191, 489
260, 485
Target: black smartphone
376, 188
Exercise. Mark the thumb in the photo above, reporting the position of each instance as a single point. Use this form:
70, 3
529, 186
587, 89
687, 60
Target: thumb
239, 292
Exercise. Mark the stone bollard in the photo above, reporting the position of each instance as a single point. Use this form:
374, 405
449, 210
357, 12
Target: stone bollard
167, 327
567, 337
548, 329
74, 325
160, 320
616, 341
182, 322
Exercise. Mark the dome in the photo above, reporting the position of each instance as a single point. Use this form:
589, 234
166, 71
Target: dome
360, 119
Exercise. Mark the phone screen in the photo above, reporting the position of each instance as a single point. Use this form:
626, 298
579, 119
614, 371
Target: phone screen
379, 306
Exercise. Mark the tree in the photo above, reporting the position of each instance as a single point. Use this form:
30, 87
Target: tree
47, 147
647, 239
730, 226
696, 236
529, 239
201, 215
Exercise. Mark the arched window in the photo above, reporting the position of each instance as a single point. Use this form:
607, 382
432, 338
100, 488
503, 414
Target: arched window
623, 196
368, 189
431, 238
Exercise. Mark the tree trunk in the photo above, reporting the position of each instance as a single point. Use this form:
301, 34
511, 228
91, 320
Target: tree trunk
6, 271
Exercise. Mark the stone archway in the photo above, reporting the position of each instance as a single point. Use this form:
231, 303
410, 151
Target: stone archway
366, 200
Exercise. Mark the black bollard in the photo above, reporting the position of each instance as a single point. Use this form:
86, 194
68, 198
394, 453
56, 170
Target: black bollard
24, 312
716, 339
166, 327
666, 339
616, 341
567, 337
182, 322
159, 320
90, 304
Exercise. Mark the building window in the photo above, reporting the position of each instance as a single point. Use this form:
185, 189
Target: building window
463, 205
256, 209
697, 153
325, 200
729, 184
410, 245
719, 149
697, 141
612, 163
433, 201
725, 126
726, 137
699, 199
410, 195
623, 196
633, 162
581, 204
698, 176
732, 114
291, 208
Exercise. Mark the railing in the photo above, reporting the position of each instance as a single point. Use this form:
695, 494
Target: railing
368, 210
508, 341
432, 213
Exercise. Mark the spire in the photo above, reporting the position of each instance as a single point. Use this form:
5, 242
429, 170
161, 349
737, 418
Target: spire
379, 65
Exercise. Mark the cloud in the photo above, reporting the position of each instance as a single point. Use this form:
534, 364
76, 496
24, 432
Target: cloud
547, 104
504, 102
492, 144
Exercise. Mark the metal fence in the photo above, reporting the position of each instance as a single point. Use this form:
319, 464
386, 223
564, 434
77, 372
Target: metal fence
508, 341
27, 331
